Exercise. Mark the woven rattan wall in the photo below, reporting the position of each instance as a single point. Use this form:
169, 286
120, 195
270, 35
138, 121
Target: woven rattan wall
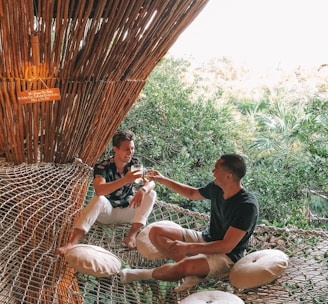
98, 53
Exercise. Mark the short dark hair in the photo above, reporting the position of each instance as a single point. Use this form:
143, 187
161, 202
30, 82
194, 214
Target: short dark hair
234, 163
122, 135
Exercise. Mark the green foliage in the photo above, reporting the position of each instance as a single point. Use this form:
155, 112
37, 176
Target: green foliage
184, 120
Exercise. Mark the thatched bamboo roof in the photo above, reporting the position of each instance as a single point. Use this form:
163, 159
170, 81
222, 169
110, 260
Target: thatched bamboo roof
97, 53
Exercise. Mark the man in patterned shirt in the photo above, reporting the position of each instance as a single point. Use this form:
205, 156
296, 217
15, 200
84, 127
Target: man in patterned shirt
117, 200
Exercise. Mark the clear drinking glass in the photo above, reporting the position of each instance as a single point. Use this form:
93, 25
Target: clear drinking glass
138, 167
146, 172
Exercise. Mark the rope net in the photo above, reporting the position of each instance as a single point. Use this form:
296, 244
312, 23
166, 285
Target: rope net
38, 207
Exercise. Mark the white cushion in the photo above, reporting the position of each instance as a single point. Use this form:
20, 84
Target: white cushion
258, 268
92, 260
213, 297
145, 246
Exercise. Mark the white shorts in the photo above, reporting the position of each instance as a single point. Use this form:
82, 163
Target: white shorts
219, 264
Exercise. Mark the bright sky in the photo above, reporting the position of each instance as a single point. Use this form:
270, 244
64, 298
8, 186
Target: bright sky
260, 32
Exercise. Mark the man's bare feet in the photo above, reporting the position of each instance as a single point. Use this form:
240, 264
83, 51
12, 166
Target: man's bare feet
129, 275
62, 250
74, 239
188, 283
130, 242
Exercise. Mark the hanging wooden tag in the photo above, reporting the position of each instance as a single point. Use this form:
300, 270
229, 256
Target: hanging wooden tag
43, 95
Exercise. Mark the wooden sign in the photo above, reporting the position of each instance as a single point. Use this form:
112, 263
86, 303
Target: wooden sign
38, 95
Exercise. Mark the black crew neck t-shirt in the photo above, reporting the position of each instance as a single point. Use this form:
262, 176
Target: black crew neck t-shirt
239, 211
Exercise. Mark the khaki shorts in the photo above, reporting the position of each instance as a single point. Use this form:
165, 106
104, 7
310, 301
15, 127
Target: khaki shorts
219, 264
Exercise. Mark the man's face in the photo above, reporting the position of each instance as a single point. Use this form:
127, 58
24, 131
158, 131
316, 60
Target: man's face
125, 152
220, 173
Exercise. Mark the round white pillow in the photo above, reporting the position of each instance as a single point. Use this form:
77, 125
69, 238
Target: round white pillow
258, 268
92, 260
213, 297
145, 246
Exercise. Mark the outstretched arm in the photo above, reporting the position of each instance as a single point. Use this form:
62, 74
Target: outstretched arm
184, 190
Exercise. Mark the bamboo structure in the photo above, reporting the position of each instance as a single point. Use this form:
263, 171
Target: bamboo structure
70, 70
97, 53
69, 73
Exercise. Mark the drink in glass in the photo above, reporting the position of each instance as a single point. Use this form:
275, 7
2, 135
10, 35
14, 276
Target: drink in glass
147, 174
137, 167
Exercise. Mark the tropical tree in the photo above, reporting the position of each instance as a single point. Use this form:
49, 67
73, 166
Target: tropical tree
185, 119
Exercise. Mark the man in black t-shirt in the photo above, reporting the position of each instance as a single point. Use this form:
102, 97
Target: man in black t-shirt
212, 252
118, 200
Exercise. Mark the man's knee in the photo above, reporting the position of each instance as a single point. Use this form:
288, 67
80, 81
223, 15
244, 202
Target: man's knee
99, 201
152, 196
157, 233
154, 233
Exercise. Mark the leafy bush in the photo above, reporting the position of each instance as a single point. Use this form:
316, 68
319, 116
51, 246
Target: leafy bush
183, 124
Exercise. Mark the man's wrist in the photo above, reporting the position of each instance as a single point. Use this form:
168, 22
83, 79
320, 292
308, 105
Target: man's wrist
143, 189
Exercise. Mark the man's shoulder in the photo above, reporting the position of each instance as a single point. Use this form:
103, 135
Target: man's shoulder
248, 197
247, 192
104, 163
210, 190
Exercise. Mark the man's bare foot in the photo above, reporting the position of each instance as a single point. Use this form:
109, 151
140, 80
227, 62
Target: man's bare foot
62, 250
130, 242
188, 283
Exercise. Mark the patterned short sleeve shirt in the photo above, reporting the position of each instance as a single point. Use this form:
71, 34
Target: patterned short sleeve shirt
107, 169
